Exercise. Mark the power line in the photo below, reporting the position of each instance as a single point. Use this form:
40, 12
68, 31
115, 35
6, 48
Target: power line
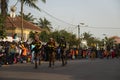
101, 27
76, 25
57, 18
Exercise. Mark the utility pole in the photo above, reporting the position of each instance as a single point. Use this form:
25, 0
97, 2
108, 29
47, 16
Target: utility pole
78, 31
22, 21
79, 35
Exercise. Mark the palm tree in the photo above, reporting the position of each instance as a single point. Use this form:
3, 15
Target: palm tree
2, 28
45, 24
29, 17
30, 3
88, 37
109, 42
3, 6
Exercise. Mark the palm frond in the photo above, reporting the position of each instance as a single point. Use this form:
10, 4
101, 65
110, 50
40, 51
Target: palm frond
31, 3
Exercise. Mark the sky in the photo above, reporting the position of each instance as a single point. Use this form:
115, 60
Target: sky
99, 16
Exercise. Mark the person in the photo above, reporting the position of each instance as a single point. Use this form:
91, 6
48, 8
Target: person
38, 44
12, 51
37, 49
51, 48
32, 46
36, 37
23, 53
62, 46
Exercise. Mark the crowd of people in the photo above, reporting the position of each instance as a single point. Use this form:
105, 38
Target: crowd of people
17, 52
14, 52
93, 53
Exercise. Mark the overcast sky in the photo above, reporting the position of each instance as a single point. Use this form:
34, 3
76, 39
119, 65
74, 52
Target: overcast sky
100, 16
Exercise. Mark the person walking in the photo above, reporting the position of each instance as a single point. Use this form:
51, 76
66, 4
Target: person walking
51, 48
37, 48
62, 46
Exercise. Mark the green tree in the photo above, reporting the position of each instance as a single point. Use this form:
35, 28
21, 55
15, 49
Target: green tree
31, 35
92, 41
2, 28
88, 37
109, 42
30, 3
44, 36
4, 9
45, 24
69, 37
28, 17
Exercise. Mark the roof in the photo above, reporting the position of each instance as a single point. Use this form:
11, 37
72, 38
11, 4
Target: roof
16, 23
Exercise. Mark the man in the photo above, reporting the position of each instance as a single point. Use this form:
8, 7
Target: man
36, 49
51, 47
62, 46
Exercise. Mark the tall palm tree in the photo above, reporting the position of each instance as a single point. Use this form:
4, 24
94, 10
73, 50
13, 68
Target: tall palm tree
3, 14
3, 6
86, 35
89, 38
45, 24
30, 3
109, 42
29, 17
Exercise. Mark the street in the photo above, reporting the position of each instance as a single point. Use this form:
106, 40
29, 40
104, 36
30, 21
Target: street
98, 69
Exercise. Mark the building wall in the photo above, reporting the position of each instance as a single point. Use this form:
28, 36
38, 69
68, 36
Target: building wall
18, 32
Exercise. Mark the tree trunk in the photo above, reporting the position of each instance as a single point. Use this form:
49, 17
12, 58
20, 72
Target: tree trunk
4, 8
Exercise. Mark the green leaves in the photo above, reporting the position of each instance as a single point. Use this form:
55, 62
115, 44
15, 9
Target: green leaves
45, 24
32, 3
28, 17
